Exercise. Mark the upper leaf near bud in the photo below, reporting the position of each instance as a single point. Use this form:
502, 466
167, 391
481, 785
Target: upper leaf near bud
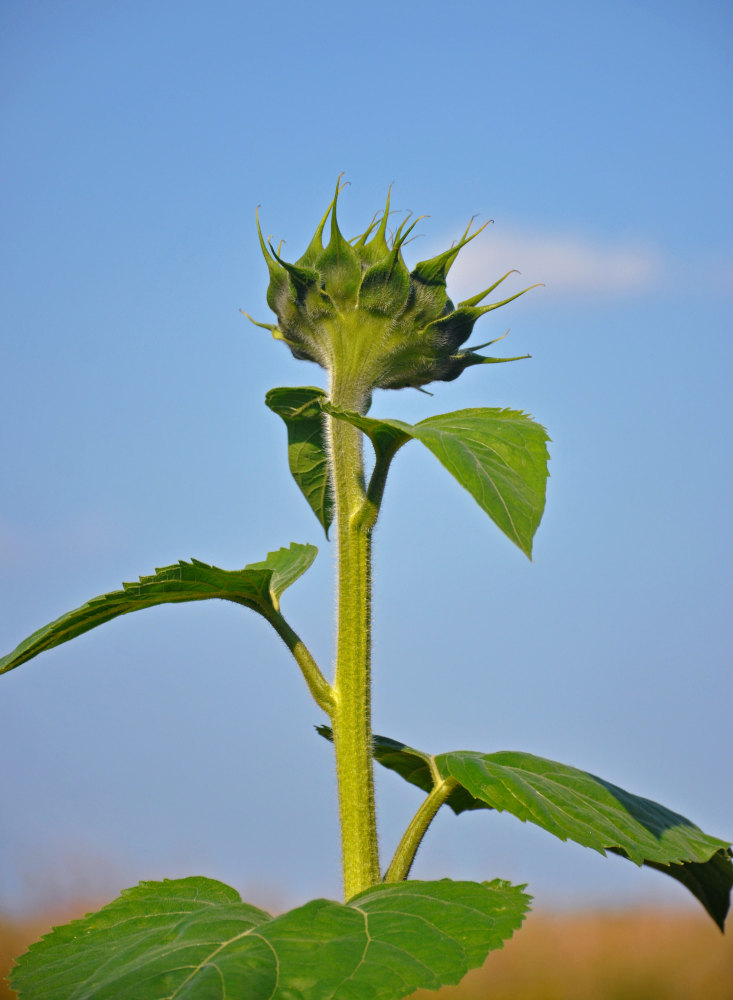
355, 309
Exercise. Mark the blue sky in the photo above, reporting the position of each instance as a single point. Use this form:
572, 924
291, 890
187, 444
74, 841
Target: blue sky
139, 138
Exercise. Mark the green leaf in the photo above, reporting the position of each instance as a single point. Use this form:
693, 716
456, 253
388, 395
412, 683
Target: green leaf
300, 408
499, 456
257, 586
194, 939
578, 806
710, 881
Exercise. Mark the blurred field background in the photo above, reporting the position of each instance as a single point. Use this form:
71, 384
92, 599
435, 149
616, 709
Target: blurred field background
633, 954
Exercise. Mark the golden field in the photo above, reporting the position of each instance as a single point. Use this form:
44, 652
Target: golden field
624, 955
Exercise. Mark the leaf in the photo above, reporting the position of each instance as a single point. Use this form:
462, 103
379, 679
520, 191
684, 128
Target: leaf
709, 882
499, 456
194, 939
257, 586
301, 410
578, 806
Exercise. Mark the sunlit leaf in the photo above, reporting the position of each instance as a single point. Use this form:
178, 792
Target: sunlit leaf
194, 939
499, 456
257, 586
578, 806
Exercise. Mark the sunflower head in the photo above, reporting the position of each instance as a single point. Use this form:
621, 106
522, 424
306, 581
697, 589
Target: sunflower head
354, 308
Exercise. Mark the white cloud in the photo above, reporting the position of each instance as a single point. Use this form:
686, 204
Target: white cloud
568, 265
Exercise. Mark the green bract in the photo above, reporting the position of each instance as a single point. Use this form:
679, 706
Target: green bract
355, 309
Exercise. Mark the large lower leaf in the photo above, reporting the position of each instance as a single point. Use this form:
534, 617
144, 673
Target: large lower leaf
194, 939
300, 408
578, 806
499, 456
257, 586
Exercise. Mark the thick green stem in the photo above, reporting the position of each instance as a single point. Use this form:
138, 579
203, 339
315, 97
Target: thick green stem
413, 835
351, 715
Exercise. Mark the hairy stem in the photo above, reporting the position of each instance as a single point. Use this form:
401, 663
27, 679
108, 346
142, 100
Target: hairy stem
351, 715
404, 856
317, 683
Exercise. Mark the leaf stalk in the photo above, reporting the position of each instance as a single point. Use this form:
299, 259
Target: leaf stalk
368, 513
317, 684
408, 846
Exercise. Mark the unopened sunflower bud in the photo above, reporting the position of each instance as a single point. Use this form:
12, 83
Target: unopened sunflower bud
355, 309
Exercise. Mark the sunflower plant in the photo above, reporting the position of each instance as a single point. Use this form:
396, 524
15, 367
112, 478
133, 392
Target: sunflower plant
354, 308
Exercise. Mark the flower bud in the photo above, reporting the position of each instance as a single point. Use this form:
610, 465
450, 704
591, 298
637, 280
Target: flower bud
355, 309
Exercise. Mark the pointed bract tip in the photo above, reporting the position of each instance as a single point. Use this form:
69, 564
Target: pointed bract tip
466, 238
335, 231
475, 299
487, 343
265, 326
381, 232
404, 222
270, 261
360, 241
400, 238
468, 227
